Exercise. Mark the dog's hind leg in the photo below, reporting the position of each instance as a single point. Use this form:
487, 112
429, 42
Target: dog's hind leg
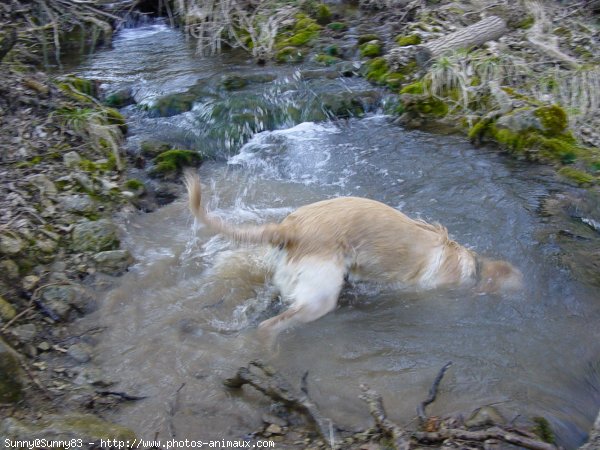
315, 293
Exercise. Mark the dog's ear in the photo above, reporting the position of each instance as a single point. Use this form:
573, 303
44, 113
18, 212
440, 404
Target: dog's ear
499, 276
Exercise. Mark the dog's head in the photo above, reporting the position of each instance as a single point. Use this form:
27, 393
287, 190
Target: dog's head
498, 276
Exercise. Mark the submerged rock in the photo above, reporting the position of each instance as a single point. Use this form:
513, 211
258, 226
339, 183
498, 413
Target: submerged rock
25, 333
95, 236
81, 353
11, 376
485, 416
113, 262
119, 98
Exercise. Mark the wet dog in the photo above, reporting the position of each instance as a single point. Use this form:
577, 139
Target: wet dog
318, 246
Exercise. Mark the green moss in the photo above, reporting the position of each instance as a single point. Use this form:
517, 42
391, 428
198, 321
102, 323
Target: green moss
553, 118
337, 26
174, 160
478, 130
114, 117
557, 149
394, 80
364, 38
371, 50
376, 70
433, 107
332, 50
413, 88
303, 32
323, 14
153, 148
578, 176
289, 55
526, 23
133, 184
326, 60
173, 104
406, 40
30, 162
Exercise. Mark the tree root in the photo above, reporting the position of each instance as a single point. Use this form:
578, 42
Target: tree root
273, 385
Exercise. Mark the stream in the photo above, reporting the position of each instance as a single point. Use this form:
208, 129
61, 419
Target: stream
183, 318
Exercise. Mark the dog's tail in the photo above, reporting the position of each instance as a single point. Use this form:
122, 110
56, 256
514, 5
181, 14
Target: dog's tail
271, 233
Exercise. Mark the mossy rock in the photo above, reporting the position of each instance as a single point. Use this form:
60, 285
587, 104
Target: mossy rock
323, 14
553, 118
233, 82
371, 49
114, 117
364, 38
421, 105
133, 184
11, 376
579, 177
375, 70
337, 26
289, 55
153, 148
394, 80
326, 60
526, 23
119, 98
332, 50
173, 161
95, 236
173, 104
304, 31
406, 40
413, 88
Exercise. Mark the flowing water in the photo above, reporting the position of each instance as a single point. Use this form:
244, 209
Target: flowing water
182, 319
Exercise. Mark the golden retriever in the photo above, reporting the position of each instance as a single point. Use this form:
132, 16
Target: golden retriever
318, 246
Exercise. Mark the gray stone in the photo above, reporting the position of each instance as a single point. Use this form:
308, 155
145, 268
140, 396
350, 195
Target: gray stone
485, 416
72, 160
84, 181
44, 184
113, 261
11, 244
9, 269
271, 419
96, 236
7, 311
11, 375
80, 204
93, 376
30, 282
81, 353
60, 299
520, 120
25, 333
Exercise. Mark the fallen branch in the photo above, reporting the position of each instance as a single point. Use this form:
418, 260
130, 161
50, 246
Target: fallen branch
373, 400
276, 387
432, 393
481, 436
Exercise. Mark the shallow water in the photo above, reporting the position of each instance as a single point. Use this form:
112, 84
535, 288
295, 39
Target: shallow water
182, 319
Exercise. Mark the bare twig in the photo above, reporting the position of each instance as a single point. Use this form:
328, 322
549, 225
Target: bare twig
373, 399
432, 393
276, 387
481, 436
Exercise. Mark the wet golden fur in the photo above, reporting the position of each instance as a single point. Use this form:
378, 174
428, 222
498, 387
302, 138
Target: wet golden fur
318, 246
